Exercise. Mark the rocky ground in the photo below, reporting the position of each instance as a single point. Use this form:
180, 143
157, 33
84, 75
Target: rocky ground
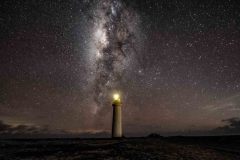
136, 149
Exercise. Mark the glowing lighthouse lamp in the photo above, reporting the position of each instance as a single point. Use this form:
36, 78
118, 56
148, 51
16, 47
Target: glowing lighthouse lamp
117, 117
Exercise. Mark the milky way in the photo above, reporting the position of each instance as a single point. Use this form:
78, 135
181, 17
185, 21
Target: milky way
114, 35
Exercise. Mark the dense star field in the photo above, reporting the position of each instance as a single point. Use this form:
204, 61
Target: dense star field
176, 65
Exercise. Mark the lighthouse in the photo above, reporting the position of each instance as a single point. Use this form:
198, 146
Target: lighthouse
117, 117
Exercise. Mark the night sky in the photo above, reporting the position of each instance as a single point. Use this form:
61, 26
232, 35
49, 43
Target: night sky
176, 65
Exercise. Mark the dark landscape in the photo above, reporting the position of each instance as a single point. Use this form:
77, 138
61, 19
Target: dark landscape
152, 147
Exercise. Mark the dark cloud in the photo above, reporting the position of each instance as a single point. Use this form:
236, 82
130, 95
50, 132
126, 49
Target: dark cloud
31, 131
7, 130
232, 126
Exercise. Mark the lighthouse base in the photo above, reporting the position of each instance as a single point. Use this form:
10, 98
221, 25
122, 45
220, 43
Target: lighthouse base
117, 122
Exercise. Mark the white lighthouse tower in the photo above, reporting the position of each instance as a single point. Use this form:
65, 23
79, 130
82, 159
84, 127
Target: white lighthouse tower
117, 117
